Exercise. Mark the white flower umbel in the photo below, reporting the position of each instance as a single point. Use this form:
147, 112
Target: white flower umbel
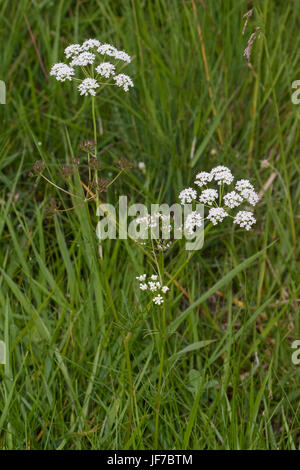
203, 178
88, 86
121, 55
193, 221
90, 44
154, 286
155, 220
244, 219
83, 59
232, 199
86, 59
247, 192
208, 196
107, 49
243, 194
243, 184
216, 215
106, 69
147, 221
158, 300
222, 175
72, 50
250, 196
62, 72
187, 195
123, 81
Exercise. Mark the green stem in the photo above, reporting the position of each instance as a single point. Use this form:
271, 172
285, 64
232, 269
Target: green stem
95, 136
94, 125
161, 367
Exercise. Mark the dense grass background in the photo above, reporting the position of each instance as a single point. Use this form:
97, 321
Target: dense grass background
64, 313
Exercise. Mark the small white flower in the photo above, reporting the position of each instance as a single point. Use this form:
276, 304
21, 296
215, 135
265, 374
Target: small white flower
165, 222
208, 196
121, 55
143, 286
106, 69
165, 289
141, 278
72, 50
62, 72
232, 199
158, 300
90, 44
222, 175
141, 166
83, 59
216, 214
154, 220
193, 220
243, 184
154, 277
88, 87
244, 219
187, 195
107, 49
203, 178
147, 221
124, 81
153, 286
164, 246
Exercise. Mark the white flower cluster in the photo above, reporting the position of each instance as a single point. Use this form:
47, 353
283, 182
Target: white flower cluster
85, 55
108, 49
216, 215
247, 192
153, 221
62, 72
244, 219
222, 175
243, 193
193, 221
83, 59
88, 87
73, 49
90, 44
95, 45
153, 285
106, 69
208, 196
232, 199
203, 178
156, 228
124, 81
187, 195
